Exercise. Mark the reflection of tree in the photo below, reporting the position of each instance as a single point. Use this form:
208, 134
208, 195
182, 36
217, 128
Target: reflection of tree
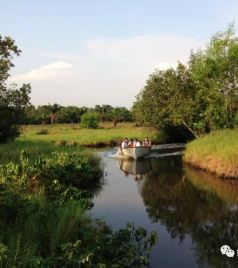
171, 197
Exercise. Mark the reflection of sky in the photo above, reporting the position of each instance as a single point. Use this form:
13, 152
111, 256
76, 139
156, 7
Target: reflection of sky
120, 202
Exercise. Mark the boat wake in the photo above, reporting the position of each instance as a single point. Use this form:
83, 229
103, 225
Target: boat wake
115, 154
152, 154
159, 155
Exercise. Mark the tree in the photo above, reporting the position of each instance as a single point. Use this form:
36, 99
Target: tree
90, 120
69, 114
103, 111
197, 98
166, 103
215, 71
52, 111
32, 116
43, 113
13, 100
119, 114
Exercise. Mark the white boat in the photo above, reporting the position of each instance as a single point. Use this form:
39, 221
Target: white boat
136, 152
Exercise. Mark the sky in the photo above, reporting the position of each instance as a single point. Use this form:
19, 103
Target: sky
88, 52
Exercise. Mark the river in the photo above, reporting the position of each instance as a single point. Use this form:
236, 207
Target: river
193, 212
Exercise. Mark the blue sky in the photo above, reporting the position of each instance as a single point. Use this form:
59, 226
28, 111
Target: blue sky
100, 51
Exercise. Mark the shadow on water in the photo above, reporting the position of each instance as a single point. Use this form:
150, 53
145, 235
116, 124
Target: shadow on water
189, 203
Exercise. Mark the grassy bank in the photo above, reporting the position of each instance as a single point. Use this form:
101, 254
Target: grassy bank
66, 134
216, 153
10, 152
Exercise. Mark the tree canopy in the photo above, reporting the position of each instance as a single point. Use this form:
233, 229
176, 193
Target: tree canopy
13, 100
198, 97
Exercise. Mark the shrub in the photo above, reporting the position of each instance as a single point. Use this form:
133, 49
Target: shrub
61, 142
50, 227
90, 120
42, 132
67, 169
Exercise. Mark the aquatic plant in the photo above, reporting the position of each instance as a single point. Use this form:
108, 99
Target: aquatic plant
44, 220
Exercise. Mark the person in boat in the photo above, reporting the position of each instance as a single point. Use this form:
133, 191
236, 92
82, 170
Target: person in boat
136, 143
130, 143
124, 144
146, 142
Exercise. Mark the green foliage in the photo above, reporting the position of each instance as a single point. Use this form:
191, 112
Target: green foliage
63, 168
70, 114
104, 112
199, 98
119, 114
236, 119
51, 111
42, 132
8, 50
47, 114
127, 247
90, 120
13, 100
43, 220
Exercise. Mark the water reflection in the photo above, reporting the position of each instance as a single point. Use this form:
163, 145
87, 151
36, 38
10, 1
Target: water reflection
189, 202
132, 167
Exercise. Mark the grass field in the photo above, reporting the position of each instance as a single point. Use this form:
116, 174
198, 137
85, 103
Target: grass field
67, 138
66, 134
216, 153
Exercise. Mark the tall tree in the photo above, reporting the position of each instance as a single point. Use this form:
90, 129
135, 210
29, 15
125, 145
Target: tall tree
69, 114
52, 111
103, 111
199, 97
119, 114
215, 71
13, 100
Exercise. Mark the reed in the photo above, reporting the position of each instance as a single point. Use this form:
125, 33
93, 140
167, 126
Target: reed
67, 134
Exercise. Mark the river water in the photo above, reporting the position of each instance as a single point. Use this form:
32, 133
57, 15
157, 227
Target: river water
194, 213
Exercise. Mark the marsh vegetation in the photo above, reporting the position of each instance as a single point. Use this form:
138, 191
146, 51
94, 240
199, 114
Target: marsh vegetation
44, 216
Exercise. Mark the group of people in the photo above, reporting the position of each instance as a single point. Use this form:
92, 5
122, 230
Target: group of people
135, 143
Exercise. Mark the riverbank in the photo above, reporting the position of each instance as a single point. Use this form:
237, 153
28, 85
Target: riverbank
71, 135
216, 153
55, 188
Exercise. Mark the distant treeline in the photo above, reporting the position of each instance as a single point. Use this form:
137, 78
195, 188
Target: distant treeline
55, 113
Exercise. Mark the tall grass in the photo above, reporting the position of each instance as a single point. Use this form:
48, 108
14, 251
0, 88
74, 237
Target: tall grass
10, 152
216, 153
105, 134
45, 193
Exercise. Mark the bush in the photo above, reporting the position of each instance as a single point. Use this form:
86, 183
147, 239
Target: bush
66, 169
90, 120
42, 132
48, 226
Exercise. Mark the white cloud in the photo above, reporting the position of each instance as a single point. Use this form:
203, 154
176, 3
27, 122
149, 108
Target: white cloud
151, 50
106, 70
45, 72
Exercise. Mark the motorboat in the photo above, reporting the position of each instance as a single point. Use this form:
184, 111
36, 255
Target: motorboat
135, 152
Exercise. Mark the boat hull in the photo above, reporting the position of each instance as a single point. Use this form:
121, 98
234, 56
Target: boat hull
136, 152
